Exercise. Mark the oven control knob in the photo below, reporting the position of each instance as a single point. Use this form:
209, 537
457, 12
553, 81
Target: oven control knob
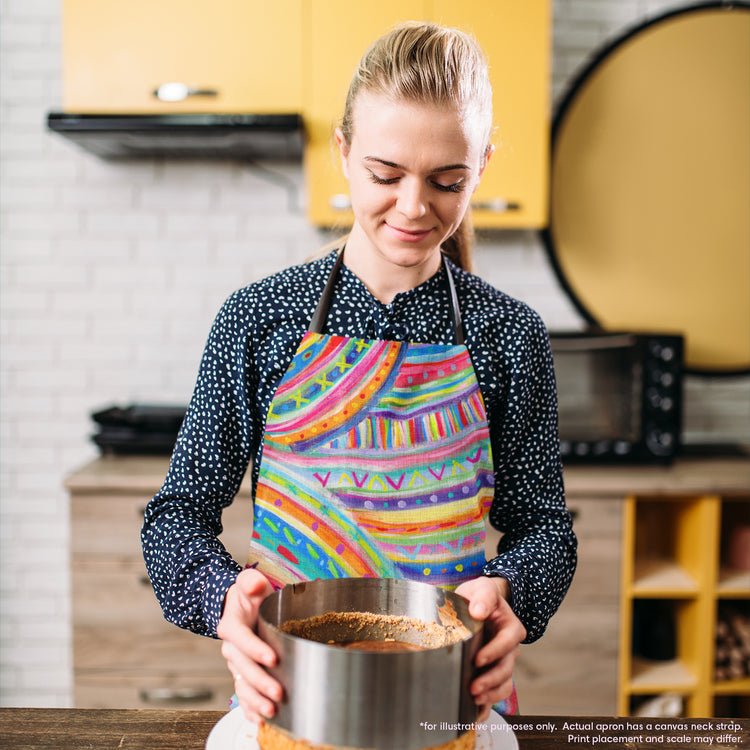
667, 379
660, 443
582, 449
654, 398
602, 447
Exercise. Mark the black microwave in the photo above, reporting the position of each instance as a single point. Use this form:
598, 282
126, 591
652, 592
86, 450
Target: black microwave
619, 395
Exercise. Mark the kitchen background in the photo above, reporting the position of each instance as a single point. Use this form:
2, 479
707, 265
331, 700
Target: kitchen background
111, 276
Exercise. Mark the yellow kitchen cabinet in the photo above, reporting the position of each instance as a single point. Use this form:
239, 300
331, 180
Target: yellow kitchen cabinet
516, 38
239, 56
676, 569
339, 33
297, 57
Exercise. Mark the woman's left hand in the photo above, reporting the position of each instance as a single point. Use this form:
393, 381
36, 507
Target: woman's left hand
488, 601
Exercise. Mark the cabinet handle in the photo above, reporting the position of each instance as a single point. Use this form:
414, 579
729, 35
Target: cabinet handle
496, 205
340, 202
177, 695
177, 92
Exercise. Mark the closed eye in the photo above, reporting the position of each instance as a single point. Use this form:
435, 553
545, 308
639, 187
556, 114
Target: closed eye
455, 187
378, 180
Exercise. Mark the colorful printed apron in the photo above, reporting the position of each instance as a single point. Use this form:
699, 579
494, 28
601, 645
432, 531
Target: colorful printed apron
376, 461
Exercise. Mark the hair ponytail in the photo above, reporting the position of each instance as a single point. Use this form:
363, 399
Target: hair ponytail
459, 246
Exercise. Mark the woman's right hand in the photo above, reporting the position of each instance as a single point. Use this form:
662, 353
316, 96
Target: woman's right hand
246, 654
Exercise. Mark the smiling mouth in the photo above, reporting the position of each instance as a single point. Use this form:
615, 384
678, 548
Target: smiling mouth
409, 235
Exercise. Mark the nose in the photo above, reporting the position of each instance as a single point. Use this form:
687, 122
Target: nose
412, 200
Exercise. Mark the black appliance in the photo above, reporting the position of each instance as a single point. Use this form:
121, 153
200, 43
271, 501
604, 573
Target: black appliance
620, 395
227, 136
138, 429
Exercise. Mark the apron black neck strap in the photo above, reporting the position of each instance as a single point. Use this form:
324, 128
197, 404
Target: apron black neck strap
324, 304
455, 310
321, 311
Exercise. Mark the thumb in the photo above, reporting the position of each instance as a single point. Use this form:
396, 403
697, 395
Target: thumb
482, 595
480, 607
254, 584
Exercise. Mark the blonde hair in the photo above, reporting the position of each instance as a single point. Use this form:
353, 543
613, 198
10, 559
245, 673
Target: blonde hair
428, 64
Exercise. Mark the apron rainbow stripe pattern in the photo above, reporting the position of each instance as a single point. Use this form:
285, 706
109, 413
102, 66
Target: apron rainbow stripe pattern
376, 462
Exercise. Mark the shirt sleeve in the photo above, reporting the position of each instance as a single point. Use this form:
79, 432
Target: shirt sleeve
189, 568
537, 551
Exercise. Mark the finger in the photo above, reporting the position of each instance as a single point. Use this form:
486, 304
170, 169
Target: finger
500, 673
254, 705
259, 690
239, 637
496, 694
482, 601
486, 596
242, 600
505, 640
256, 677
254, 584
242, 661
481, 607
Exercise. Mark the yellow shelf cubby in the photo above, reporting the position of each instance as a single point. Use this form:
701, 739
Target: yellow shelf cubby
674, 563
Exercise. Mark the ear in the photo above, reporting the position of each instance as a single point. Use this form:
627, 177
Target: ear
483, 165
343, 150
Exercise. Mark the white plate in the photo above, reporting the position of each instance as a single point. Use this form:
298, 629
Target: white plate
234, 732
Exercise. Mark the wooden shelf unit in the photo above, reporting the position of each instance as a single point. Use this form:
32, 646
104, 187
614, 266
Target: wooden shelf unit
674, 550
125, 655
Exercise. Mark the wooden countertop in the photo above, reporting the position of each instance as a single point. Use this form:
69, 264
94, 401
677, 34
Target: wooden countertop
689, 475
133, 729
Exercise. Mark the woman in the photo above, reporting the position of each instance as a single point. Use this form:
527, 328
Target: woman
389, 399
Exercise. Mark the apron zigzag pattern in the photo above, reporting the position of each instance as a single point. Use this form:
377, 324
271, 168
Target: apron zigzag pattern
376, 461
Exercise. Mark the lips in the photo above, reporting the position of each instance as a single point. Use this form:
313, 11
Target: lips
409, 235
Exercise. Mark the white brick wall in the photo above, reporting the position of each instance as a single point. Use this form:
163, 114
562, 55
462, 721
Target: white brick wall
111, 275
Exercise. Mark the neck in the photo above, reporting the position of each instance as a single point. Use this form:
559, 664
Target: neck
385, 277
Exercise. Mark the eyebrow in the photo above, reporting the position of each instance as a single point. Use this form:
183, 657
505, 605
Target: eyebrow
393, 165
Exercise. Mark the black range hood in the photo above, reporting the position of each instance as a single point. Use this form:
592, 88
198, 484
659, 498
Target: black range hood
216, 136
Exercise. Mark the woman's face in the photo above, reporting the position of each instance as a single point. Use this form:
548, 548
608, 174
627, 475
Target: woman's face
412, 169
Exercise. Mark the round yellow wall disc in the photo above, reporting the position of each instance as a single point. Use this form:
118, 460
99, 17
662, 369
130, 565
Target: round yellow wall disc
650, 200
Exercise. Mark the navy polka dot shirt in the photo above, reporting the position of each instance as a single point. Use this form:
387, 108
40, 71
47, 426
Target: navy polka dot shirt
250, 346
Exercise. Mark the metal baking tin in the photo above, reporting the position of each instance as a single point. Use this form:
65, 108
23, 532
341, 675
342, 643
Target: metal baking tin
367, 699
